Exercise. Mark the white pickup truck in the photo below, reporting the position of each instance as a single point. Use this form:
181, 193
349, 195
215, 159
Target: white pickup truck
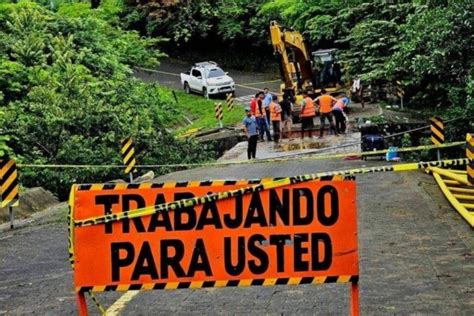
208, 79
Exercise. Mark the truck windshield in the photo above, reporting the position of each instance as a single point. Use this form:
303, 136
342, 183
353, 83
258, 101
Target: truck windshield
216, 72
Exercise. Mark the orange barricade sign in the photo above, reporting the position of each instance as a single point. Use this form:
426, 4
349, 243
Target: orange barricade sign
303, 233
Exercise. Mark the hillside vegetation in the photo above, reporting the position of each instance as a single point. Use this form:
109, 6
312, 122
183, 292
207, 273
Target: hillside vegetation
67, 95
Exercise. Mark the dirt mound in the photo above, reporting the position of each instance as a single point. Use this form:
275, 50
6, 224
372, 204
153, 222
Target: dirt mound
31, 201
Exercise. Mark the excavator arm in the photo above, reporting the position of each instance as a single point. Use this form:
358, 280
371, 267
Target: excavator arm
294, 58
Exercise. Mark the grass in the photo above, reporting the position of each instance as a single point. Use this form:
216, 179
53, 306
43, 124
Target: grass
200, 112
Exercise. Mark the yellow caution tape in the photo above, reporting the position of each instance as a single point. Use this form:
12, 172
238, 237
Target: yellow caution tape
97, 303
263, 186
227, 163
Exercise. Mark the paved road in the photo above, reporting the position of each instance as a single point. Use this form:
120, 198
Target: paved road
247, 83
416, 257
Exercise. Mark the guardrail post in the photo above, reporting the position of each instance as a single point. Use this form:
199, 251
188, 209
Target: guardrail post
230, 102
470, 155
219, 113
9, 186
437, 132
128, 156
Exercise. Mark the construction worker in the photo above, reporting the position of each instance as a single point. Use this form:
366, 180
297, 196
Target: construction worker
267, 99
286, 115
251, 131
308, 112
339, 115
275, 117
260, 115
326, 103
357, 91
253, 103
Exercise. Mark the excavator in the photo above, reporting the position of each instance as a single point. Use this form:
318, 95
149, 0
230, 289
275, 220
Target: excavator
300, 70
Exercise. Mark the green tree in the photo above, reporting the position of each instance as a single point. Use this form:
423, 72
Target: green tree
68, 96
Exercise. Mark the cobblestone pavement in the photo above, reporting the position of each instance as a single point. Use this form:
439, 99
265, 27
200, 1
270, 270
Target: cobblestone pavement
416, 257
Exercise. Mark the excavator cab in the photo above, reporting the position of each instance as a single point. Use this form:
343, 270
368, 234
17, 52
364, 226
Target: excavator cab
326, 69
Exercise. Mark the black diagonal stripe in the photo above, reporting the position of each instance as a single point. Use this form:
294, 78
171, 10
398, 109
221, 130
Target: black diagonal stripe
125, 141
135, 287
159, 286
157, 185
124, 154
84, 289
129, 161
258, 281
254, 181
233, 283
3, 163
182, 184
435, 127
282, 281
230, 182
110, 288
327, 178
354, 279
184, 285
470, 147
133, 186
109, 186
7, 192
331, 279
205, 183
307, 280
14, 199
84, 187
7, 175
435, 139
208, 284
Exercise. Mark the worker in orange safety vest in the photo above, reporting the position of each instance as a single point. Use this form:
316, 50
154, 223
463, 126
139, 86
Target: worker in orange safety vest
326, 102
275, 117
308, 112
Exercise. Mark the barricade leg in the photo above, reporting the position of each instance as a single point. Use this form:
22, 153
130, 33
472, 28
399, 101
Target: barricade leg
81, 304
10, 211
354, 299
470, 155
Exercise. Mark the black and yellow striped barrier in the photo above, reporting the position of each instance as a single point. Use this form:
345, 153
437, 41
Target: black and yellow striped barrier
128, 155
9, 186
437, 130
218, 111
261, 186
400, 91
223, 283
230, 102
470, 155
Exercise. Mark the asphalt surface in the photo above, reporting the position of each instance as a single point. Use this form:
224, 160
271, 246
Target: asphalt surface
416, 257
167, 74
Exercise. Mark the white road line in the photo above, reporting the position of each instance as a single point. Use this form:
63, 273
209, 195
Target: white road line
119, 304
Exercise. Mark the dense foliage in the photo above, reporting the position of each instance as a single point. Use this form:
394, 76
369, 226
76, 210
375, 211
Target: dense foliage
427, 45
67, 95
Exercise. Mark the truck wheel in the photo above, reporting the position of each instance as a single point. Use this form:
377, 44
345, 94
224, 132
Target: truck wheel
205, 93
186, 88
